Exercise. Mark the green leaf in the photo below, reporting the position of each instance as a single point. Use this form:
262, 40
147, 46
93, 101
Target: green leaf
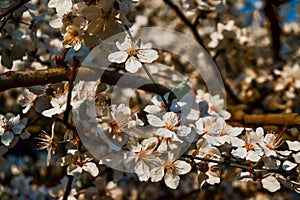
180, 90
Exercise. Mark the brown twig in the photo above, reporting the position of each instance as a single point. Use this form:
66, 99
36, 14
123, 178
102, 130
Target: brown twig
14, 79
13, 8
185, 20
68, 187
271, 12
71, 80
282, 119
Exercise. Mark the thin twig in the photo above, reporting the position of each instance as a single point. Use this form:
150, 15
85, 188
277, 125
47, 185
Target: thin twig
67, 124
154, 83
252, 169
13, 8
4, 22
186, 21
70, 88
68, 187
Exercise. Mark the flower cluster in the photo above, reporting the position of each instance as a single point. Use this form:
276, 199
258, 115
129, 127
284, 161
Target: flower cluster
10, 126
89, 22
184, 138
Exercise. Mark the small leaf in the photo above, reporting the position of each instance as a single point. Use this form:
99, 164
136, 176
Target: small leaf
180, 90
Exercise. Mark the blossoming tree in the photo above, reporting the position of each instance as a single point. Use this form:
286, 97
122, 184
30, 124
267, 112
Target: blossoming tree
203, 104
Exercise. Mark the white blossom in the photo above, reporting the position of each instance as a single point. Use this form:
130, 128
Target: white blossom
169, 126
133, 54
209, 172
77, 163
249, 149
173, 170
143, 158
10, 126
114, 129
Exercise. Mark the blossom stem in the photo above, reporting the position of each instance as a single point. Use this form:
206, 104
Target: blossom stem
155, 84
128, 32
68, 187
146, 70
69, 97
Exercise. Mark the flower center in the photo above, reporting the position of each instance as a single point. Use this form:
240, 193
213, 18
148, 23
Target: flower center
269, 146
249, 147
132, 52
115, 127
7, 127
223, 133
169, 127
170, 165
78, 162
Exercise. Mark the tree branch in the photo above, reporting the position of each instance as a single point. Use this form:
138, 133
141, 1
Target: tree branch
271, 12
283, 119
14, 79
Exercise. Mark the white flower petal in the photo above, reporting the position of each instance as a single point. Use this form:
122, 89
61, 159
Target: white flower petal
126, 44
182, 167
170, 118
91, 168
253, 156
132, 65
147, 55
212, 178
164, 133
7, 138
293, 145
152, 109
183, 131
2, 130
171, 180
236, 142
73, 170
155, 121
297, 157
118, 57
270, 183
61, 6
157, 174
239, 152
17, 129
260, 132
52, 111
288, 165
142, 170
284, 152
